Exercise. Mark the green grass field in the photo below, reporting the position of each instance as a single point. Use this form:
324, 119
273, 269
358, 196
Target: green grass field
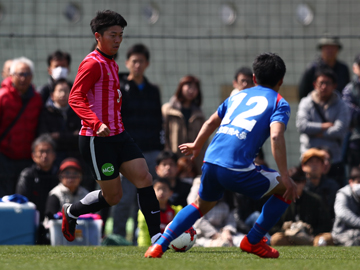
88, 258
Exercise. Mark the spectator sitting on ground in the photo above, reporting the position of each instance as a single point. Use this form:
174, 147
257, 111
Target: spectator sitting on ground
308, 208
312, 164
20, 108
58, 67
346, 229
218, 227
68, 190
36, 181
167, 168
167, 211
327, 159
242, 80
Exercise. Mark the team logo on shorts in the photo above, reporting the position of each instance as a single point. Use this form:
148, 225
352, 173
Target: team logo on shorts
107, 169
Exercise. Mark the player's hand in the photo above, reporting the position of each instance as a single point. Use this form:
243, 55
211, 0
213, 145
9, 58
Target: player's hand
189, 149
103, 131
291, 189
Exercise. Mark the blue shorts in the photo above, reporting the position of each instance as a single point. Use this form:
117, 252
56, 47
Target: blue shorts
254, 183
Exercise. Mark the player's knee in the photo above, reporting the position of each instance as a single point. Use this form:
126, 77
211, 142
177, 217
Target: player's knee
145, 180
113, 199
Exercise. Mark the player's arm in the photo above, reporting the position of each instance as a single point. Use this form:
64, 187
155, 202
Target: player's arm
206, 130
278, 149
88, 74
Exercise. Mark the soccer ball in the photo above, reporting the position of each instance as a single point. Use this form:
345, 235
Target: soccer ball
185, 241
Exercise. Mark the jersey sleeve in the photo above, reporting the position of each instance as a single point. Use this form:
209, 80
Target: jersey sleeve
281, 113
88, 74
222, 108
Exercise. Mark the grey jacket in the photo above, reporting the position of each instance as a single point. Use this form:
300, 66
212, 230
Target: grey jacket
308, 123
346, 229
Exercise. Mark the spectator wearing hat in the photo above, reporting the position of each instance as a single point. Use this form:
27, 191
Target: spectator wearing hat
329, 47
346, 229
323, 121
312, 163
351, 96
68, 190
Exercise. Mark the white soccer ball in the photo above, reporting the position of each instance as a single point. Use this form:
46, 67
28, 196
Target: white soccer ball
185, 241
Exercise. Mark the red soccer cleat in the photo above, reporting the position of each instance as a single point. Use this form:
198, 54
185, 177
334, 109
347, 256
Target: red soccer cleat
261, 249
155, 251
68, 224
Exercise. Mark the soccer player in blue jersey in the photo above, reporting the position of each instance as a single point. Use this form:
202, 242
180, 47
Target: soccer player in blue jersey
245, 121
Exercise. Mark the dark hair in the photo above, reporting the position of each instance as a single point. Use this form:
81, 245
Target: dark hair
162, 180
297, 174
185, 162
105, 19
327, 72
60, 81
188, 80
138, 49
357, 59
44, 138
59, 55
354, 172
243, 70
166, 154
269, 69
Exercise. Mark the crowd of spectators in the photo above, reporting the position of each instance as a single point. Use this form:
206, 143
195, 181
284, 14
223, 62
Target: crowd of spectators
40, 159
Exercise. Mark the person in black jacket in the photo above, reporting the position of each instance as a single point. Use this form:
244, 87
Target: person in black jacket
60, 121
36, 181
142, 118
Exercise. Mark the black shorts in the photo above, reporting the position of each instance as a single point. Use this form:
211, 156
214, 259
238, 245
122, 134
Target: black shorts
104, 155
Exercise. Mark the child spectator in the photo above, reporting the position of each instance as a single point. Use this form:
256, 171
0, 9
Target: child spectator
217, 228
68, 190
167, 211
166, 167
186, 170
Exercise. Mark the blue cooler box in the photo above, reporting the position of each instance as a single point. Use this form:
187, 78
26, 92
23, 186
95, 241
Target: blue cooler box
18, 223
88, 233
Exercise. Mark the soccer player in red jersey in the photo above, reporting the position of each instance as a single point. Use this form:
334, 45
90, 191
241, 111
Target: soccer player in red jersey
104, 144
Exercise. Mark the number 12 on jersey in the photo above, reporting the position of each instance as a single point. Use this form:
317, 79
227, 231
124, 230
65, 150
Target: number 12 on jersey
240, 111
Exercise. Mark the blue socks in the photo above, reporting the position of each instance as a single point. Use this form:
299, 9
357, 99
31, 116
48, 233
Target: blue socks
182, 222
270, 215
